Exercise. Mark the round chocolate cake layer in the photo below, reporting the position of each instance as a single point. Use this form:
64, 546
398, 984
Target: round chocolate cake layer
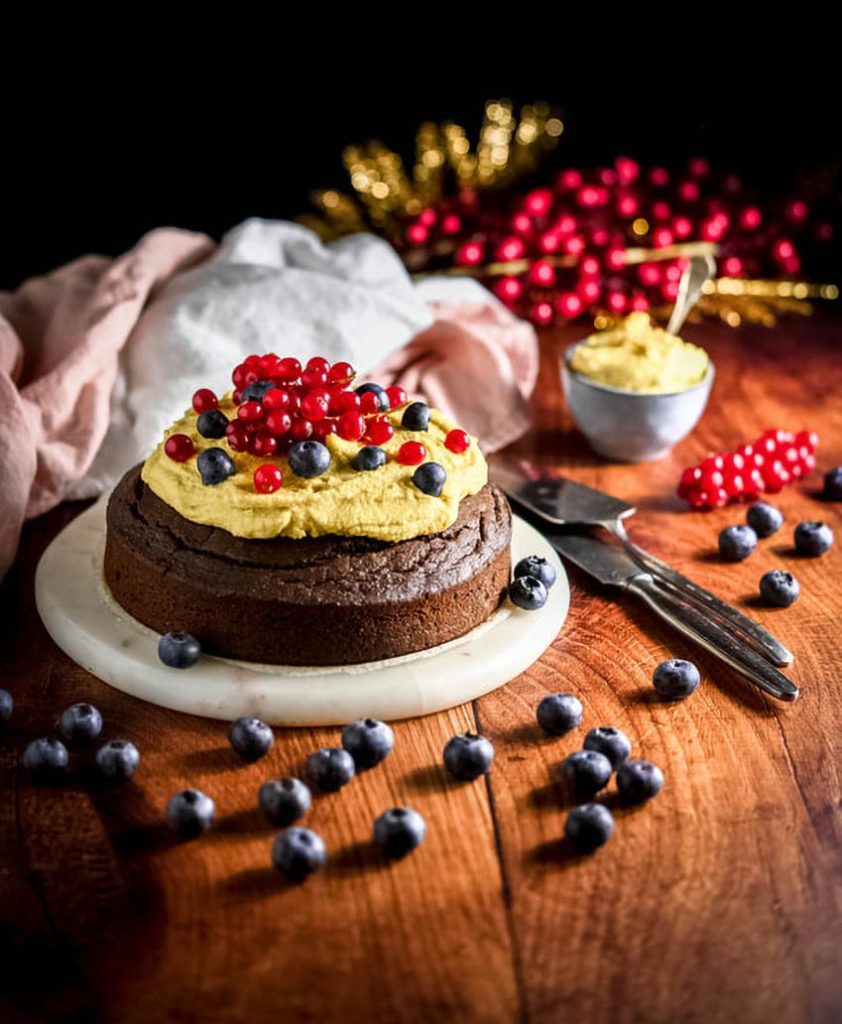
317, 601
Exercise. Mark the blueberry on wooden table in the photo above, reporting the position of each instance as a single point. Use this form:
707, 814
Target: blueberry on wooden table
251, 738
813, 539
368, 741
676, 679
190, 813
833, 484
558, 713
7, 706
737, 542
117, 760
588, 827
46, 758
779, 588
330, 769
614, 743
399, 831
639, 781
764, 519
467, 756
284, 801
80, 723
298, 852
585, 772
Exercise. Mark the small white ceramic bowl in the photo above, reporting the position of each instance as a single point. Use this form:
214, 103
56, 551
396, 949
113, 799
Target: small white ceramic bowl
628, 426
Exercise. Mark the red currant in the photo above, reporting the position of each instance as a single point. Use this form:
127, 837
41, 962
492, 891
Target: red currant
341, 373
313, 379
278, 423
301, 429
379, 431
250, 412
351, 426
457, 441
253, 360
323, 428
270, 364
315, 404
262, 443
412, 453
238, 436
396, 396
318, 365
179, 447
236, 398
289, 370
345, 401
267, 478
369, 403
276, 398
204, 400
238, 377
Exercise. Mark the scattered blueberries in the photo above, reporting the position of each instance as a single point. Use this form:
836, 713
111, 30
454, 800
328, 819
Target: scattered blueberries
215, 466
467, 756
212, 424
585, 772
779, 588
813, 539
251, 738
330, 769
284, 801
368, 458
737, 542
254, 392
190, 813
7, 706
308, 458
375, 389
638, 781
588, 827
528, 593
117, 760
298, 852
764, 519
179, 650
536, 567
399, 831
614, 743
676, 679
80, 723
46, 758
833, 484
558, 713
416, 416
430, 477
368, 741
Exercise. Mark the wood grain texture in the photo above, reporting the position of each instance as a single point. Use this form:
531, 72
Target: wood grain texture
720, 901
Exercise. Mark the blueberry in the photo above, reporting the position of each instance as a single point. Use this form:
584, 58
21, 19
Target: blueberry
212, 424
80, 723
779, 588
416, 416
676, 679
399, 831
46, 758
537, 567
7, 706
430, 478
375, 389
585, 772
179, 650
588, 827
368, 741
308, 458
833, 484
467, 756
368, 458
117, 760
215, 466
737, 542
764, 519
528, 593
614, 743
190, 813
251, 738
813, 539
284, 801
254, 392
638, 781
330, 769
298, 852
558, 713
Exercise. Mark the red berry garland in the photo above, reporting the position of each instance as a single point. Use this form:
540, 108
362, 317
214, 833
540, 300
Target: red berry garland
775, 459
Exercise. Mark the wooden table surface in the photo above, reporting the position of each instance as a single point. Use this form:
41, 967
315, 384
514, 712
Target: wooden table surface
720, 901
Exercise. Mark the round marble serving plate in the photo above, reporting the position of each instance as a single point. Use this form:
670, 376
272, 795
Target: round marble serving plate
86, 622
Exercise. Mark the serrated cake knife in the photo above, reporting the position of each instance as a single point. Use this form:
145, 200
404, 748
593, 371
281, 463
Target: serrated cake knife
563, 502
608, 563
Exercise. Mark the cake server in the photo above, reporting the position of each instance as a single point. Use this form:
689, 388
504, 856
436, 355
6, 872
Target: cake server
609, 564
564, 502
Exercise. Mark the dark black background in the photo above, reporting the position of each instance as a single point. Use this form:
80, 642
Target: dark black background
120, 144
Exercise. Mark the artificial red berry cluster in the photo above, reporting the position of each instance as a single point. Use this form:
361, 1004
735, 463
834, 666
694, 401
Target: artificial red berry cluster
775, 459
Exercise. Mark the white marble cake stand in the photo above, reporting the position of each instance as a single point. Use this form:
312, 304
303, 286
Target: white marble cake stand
86, 622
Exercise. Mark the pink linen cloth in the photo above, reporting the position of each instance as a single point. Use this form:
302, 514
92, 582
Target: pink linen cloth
61, 337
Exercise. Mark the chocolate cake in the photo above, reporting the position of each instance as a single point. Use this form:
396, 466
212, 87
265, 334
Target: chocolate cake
330, 600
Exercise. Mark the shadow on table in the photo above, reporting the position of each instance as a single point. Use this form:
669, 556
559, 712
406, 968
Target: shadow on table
253, 883
214, 759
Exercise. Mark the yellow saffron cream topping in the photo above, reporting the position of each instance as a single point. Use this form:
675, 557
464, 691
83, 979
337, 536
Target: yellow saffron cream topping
382, 503
637, 356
